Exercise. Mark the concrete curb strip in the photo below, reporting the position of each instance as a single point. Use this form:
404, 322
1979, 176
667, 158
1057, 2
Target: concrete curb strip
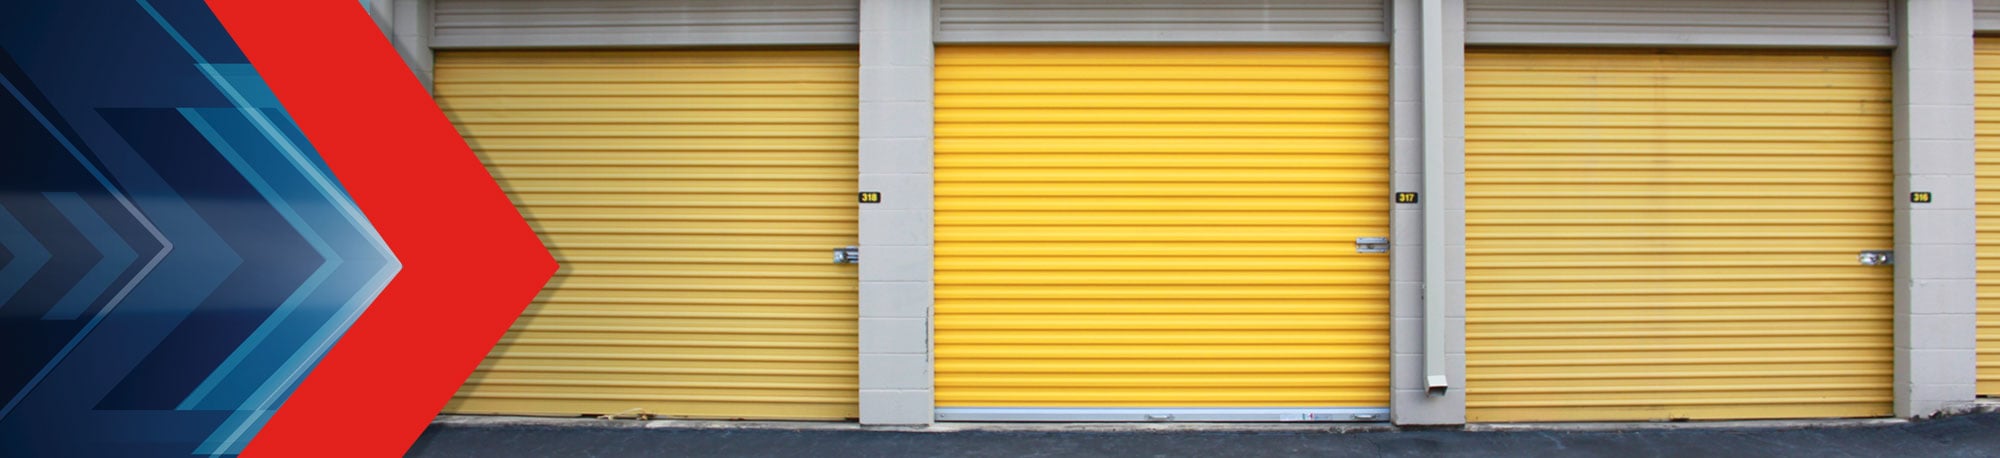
479, 421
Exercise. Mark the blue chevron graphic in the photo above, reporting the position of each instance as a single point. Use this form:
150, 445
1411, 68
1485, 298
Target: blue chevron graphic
169, 179
253, 394
29, 256
47, 337
319, 245
116, 258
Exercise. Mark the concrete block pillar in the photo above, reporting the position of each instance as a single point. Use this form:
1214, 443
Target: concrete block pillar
896, 234
1410, 401
384, 13
1935, 301
407, 24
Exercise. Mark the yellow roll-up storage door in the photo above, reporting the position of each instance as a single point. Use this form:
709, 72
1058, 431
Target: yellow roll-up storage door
1673, 235
1987, 77
1160, 227
693, 198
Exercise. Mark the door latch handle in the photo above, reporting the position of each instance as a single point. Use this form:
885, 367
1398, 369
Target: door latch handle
1371, 245
1878, 258
847, 255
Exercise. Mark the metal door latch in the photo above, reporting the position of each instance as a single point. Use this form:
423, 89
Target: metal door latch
1878, 258
1371, 245
848, 255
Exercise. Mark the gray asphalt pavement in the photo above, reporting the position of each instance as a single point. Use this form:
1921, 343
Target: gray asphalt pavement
1962, 436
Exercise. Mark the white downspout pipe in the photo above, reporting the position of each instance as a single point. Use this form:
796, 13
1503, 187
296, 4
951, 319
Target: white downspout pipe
1435, 380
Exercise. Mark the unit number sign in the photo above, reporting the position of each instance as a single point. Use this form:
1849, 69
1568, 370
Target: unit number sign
871, 197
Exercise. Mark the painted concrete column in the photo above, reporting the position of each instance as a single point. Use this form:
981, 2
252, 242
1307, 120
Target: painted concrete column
413, 37
407, 24
1412, 403
1935, 264
384, 13
896, 235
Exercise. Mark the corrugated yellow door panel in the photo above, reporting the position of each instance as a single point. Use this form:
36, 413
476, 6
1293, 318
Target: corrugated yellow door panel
1161, 227
1661, 235
692, 198
1987, 78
